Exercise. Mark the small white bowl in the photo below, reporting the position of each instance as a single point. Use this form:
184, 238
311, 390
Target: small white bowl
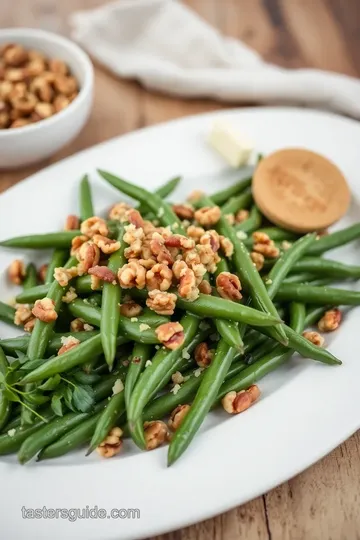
25, 145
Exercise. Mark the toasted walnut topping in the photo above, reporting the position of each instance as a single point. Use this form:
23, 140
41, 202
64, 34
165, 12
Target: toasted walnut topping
130, 309
226, 246
177, 377
205, 287
183, 211
195, 232
95, 283
177, 416
22, 314
208, 257
94, 225
187, 281
64, 275
237, 402
76, 244
228, 286
77, 325
45, 310
159, 277
106, 245
42, 272
17, 272
111, 446
315, 338
261, 238
258, 260
179, 241
195, 195
118, 211
208, 215
72, 223
132, 275
103, 273
230, 218
269, 251
29, 325
69, 296
171, 335
330, 321
242, 215
162, 303
88, 256
192, 257
134, 217
134, 237
156, 433
159, 250
203, 355
68, 343
212, 239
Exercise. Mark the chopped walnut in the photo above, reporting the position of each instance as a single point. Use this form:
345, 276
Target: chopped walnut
69, 296
76, 244
22, 314
130, 309
77, 325
29, 325
187, 287
134, 217
228, 286
118, 211
242, 215
195, 232
237, 402
208, 215
88, 256
17, 272
94, 225
132, 275
258, 260
106, 245
227, 246
134, 237
203, 355
162, 303
208, 257
183, 211
95, 283
205, 287
171, 335
42, 272
177, 377
179, 241
330, 321
177, 416
156, 433
315, 338
103, 273
158, 248
64, 275
195, 195
261, 238
45, 310
192, 257
269, 251
68, 343
72, 223
212, 239
111, 446
159, 277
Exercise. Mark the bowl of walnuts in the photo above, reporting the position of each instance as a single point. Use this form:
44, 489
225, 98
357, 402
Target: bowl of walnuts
46, 87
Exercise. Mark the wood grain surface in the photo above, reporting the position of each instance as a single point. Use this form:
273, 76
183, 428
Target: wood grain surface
322, 503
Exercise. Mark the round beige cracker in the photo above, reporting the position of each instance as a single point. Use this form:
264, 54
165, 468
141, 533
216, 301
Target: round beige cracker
300, 190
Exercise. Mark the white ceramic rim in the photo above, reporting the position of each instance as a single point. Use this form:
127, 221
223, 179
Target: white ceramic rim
78, 54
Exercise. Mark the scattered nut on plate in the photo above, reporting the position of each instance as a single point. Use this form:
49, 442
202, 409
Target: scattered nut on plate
32, 86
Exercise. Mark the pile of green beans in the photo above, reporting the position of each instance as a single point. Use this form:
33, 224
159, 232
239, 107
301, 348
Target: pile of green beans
117, 372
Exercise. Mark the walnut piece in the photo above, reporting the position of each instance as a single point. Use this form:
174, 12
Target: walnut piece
111, 446
106, 245
68, 343
159, 277
132, 275
177, 416
130, 309
155, 433
64, 275
103, 273
258, 260
94, 225
203, 355
42, 272
44, 310
118, 211
183, 211
315, 338
208, 215
205, 287
171, 335
237, 402
88, 256
242, 215
228, 286
17, 272
161, 302
330, 321
22, 314
72, 223
134, 237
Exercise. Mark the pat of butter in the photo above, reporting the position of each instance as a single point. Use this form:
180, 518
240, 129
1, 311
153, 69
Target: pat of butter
234, 147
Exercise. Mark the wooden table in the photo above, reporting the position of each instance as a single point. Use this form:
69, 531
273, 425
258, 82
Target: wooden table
323, 502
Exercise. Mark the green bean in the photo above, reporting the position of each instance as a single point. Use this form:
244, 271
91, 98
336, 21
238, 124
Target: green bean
140, 355
163, 191
5, 404
57, 260
21, 343
30, 278
12, 424
205, 396
286, 261
238, 202
162, 210
275, 233
11, 443
110, 311
220, 197
153, 374
326, 267
42, 241
335, 239
95, 299
311, 294
48, 433
7, 313
85, 199
252, 223
31, 295
128, 328
305, 277
314, 314
83, 285
228, 330
110, 415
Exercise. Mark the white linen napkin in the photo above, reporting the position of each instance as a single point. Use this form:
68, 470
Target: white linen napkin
168, 48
